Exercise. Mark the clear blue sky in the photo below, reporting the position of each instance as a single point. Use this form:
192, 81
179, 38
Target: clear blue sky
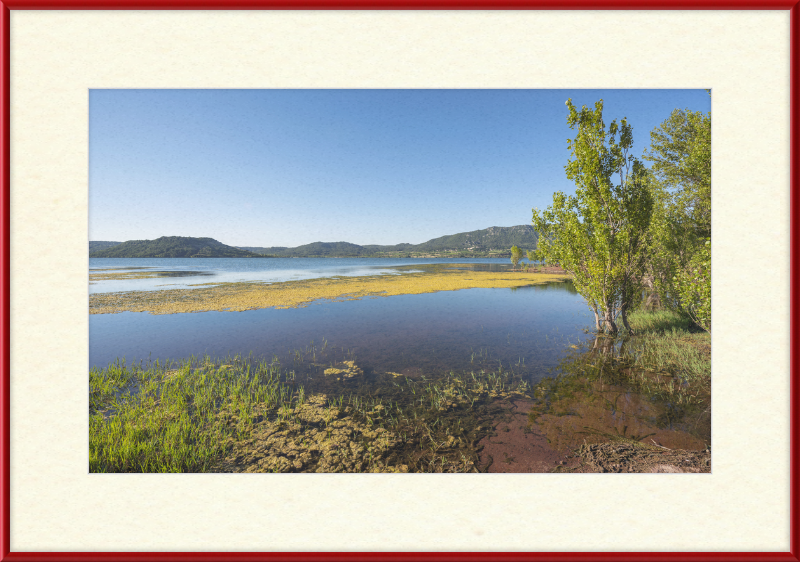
290, 167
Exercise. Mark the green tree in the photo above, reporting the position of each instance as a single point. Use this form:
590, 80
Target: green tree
516, 255
680, 150
532, 257
599, 235
680, 233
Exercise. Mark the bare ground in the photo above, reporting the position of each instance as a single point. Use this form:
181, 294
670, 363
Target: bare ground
516, 446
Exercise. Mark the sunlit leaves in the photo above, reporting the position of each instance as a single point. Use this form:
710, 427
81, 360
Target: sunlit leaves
516, 255
680, 254
599, 234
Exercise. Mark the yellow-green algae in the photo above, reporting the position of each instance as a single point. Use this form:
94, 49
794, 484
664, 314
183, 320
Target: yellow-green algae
314, 438
348, 370
238, 416
122, 276
292, 294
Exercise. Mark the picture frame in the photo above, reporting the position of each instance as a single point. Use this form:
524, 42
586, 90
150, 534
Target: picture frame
50, 551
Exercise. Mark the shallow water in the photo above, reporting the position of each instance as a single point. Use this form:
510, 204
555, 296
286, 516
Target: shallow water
195, 271
527, 329
592, 400
534, 332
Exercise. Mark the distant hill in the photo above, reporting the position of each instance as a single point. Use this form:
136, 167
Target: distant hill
496, 240
100, 245
172, 247
492, 238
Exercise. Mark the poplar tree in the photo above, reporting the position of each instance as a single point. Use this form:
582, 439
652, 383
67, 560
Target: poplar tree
516, 255
600, 234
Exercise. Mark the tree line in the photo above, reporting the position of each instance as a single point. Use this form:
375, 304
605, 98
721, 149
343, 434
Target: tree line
633, 235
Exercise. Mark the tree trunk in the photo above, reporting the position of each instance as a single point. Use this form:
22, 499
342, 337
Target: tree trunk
652, 301
597, 325
624, 313
609, 321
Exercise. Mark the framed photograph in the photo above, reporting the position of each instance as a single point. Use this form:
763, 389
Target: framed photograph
399, 281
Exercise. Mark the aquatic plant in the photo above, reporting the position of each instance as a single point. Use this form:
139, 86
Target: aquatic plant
179, 417
243, 415
663, 376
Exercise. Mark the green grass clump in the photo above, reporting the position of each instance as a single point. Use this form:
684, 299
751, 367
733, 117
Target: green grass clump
178, 418
666, 342
660, 321
106, 384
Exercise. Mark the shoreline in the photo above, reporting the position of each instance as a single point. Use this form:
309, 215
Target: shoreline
237, 416
241, 296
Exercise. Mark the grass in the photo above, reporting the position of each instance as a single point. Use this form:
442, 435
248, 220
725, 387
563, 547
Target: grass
666, 342
178, 417
667, 363
201, 416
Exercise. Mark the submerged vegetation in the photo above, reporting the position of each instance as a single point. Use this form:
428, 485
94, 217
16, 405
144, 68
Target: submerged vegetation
651, 391
242, 415
321, 414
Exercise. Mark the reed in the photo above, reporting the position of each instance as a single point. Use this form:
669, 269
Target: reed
179, 417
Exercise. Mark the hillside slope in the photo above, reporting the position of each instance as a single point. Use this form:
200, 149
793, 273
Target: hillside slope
95, 245
492, 239
173, 247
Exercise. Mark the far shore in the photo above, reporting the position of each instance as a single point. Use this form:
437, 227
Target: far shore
292, 294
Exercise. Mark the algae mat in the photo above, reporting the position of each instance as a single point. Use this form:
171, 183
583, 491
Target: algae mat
292, 294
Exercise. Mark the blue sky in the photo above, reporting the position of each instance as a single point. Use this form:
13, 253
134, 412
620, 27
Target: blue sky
290, 167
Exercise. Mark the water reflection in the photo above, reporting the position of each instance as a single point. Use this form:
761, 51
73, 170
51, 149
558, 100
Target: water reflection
416, 335
596, 397
110, 274
566, 286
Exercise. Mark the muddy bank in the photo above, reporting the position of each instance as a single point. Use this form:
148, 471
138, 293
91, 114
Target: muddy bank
515, 444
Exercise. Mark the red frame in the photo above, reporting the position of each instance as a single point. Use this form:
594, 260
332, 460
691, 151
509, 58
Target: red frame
5, 155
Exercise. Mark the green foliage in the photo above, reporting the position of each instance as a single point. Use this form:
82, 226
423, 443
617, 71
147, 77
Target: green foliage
680, 232
693, 286
516, 255
680, 150
173, 247
599, 235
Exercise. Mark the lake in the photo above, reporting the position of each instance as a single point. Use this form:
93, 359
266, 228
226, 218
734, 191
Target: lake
181, 273
405, 349
528, 328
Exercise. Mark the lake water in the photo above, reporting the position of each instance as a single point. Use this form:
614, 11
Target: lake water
528, 328
532, 331
182, 273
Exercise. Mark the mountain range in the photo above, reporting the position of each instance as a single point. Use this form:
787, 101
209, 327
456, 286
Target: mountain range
495, 241
492, 240
171, 247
